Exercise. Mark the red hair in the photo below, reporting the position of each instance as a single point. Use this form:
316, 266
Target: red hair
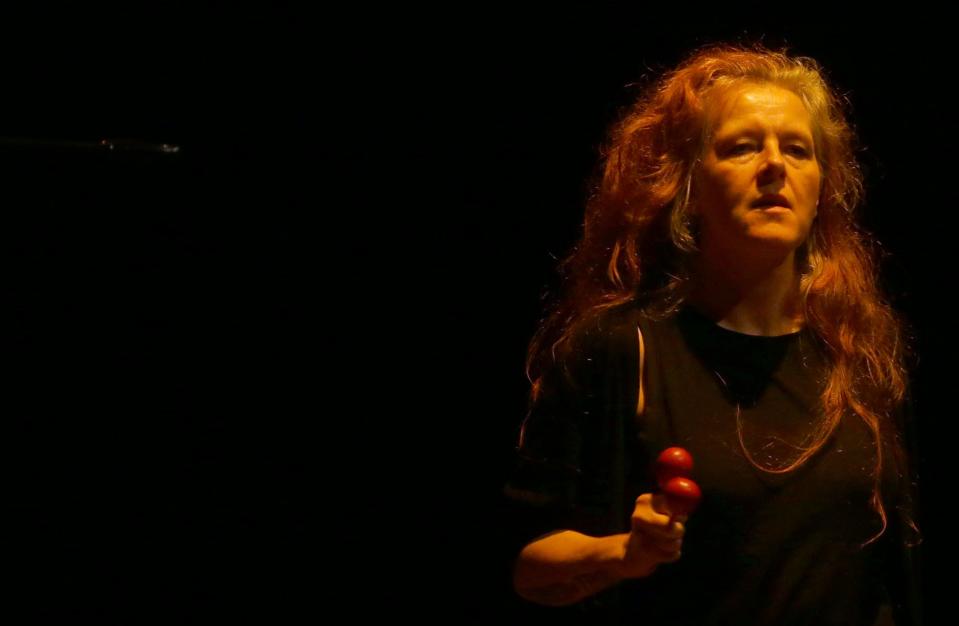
639, 239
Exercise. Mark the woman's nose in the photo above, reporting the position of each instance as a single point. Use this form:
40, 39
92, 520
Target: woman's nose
773, 165
774, 155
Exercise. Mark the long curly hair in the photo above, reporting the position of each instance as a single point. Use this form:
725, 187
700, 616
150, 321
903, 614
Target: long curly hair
639, 240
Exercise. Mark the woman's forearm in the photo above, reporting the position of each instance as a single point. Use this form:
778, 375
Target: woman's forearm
566, 567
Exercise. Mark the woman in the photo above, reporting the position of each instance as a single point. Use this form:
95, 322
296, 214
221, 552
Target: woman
722, 300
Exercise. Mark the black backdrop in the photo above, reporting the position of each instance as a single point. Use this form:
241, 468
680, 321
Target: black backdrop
151, 304
281, 370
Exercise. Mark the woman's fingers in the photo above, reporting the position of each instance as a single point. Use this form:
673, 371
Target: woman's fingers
656, 523
651, 509
664, 551
655, 537
661, 535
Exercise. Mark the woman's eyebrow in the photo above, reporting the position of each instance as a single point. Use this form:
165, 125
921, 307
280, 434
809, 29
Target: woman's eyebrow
795, 133
743, 127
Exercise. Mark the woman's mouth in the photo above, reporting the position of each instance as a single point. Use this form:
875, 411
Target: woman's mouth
769, 201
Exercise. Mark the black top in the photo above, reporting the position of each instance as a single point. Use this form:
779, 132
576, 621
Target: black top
762, 548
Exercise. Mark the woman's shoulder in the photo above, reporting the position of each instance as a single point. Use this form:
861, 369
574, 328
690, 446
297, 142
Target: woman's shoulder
603, 337
609, 326
618, 326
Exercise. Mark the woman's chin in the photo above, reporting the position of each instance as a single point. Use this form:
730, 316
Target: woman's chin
776, 237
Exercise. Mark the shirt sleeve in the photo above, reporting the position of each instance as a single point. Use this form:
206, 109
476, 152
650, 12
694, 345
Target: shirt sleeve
558, 480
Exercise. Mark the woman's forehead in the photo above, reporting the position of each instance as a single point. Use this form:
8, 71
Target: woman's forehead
759, 105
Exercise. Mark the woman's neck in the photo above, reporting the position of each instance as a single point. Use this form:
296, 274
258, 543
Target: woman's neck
750, 297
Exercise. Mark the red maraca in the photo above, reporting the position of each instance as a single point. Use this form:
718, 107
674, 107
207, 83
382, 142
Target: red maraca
673, 462
673, 468
682, 494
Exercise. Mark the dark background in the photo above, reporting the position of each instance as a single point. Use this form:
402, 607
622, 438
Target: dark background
281, 370
156, 355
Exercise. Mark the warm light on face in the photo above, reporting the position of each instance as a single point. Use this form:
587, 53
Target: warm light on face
759, 180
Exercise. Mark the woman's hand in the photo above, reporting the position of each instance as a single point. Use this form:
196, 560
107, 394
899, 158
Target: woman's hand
653, 538
564, 567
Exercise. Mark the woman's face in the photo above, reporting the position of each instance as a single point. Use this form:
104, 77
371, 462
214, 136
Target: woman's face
757, 187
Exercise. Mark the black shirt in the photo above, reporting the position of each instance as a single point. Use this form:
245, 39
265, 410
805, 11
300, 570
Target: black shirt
762, 548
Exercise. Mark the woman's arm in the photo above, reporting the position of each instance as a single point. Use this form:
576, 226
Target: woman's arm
565, 567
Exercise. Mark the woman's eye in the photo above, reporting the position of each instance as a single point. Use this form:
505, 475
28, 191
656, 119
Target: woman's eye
741, 148
797, 151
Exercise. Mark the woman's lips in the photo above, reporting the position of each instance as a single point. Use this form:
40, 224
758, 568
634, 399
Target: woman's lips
771, 201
